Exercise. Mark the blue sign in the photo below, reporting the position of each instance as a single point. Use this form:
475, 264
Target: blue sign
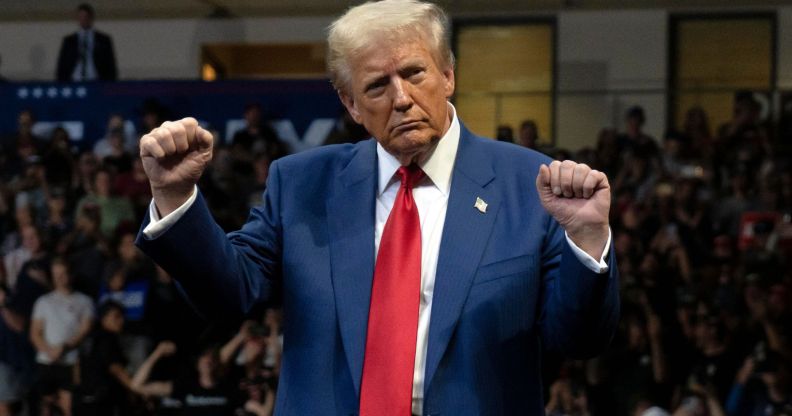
302, 112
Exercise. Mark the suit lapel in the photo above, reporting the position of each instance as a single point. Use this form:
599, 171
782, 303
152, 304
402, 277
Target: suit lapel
350, 212
465, 235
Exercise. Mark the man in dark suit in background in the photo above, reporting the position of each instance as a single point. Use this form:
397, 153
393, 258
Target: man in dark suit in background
86, 55
422, 271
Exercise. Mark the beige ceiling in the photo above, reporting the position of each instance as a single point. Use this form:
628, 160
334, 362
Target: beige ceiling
127, 9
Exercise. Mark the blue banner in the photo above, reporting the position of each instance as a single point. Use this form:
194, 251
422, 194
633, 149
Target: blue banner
302, 112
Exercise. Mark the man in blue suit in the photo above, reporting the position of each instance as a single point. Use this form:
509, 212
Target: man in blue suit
422, 271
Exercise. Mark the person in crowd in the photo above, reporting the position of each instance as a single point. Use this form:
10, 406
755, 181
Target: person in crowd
135, 187
58, 223
742, 142
529, 135
86, 248
246, 354
116, 124
20, 147
61, 320
104, 383
696, 129
634, 142
58, 159
87, 55
257, 136
128, 279
15, 260
17, 356
504, 133
763, 386
346, 130
204, 393
114, 210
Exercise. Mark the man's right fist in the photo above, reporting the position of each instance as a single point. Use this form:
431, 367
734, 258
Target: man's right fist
174, 156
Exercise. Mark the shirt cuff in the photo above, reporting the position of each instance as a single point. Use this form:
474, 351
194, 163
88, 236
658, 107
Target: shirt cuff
595, 266
157, 226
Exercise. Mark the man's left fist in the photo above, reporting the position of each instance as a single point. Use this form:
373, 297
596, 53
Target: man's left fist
578, 197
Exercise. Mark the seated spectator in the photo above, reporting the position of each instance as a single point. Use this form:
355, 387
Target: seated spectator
634, 142
117, 159
19, 147
762, 387
505, 134
257, 136
696, 130
529, 135
132, 294
58, 159
61, 320
134, 186
87, 165
86, 248
113, 210
104, 381
17, 361
205, 393
116, 124
247, 354
16, 259
742, 142
346, 130
58, 223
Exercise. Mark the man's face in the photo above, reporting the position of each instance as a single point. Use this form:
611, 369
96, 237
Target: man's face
84, 19
60, 276
399, 93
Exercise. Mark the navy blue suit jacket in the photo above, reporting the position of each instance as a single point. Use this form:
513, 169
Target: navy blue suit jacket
506, 280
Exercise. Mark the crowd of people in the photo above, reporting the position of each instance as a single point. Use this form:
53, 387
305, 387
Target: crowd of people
88, 324
701, 228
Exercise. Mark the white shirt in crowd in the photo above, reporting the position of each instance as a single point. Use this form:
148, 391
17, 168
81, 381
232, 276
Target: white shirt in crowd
61, 316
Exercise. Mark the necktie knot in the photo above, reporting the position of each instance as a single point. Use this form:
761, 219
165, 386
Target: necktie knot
410, 175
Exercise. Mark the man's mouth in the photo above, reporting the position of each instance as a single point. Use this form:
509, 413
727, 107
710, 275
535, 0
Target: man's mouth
407, 125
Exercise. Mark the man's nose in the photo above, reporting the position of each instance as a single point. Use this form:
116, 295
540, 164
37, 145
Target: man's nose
402, 99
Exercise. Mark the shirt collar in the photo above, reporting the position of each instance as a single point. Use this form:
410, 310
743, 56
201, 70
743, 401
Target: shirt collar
437, 167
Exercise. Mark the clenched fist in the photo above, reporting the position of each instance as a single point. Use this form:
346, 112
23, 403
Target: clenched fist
578, 197
174, 156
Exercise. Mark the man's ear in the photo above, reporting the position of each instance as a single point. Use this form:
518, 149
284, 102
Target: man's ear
450, 82
349, 103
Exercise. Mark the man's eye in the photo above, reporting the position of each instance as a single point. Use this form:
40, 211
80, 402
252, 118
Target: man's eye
415, 72
375, 86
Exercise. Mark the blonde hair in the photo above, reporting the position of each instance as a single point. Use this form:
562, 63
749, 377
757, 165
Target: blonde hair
390, 21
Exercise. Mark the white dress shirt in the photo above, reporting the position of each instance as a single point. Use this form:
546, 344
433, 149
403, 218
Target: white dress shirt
85, 39
431, 198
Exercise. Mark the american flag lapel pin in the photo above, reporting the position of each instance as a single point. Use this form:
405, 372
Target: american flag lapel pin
480, 205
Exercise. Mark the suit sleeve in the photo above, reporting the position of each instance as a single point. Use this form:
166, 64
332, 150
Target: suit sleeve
112, 68
223, 275
62, 72
580, 308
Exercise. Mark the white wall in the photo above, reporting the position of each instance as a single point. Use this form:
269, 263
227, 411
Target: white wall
785, 47
162, 48
607, 60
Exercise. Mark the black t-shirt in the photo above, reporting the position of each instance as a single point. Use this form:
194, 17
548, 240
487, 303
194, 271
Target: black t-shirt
196, 400
103, 350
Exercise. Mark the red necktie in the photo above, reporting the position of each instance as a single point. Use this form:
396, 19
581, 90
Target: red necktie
393, 314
